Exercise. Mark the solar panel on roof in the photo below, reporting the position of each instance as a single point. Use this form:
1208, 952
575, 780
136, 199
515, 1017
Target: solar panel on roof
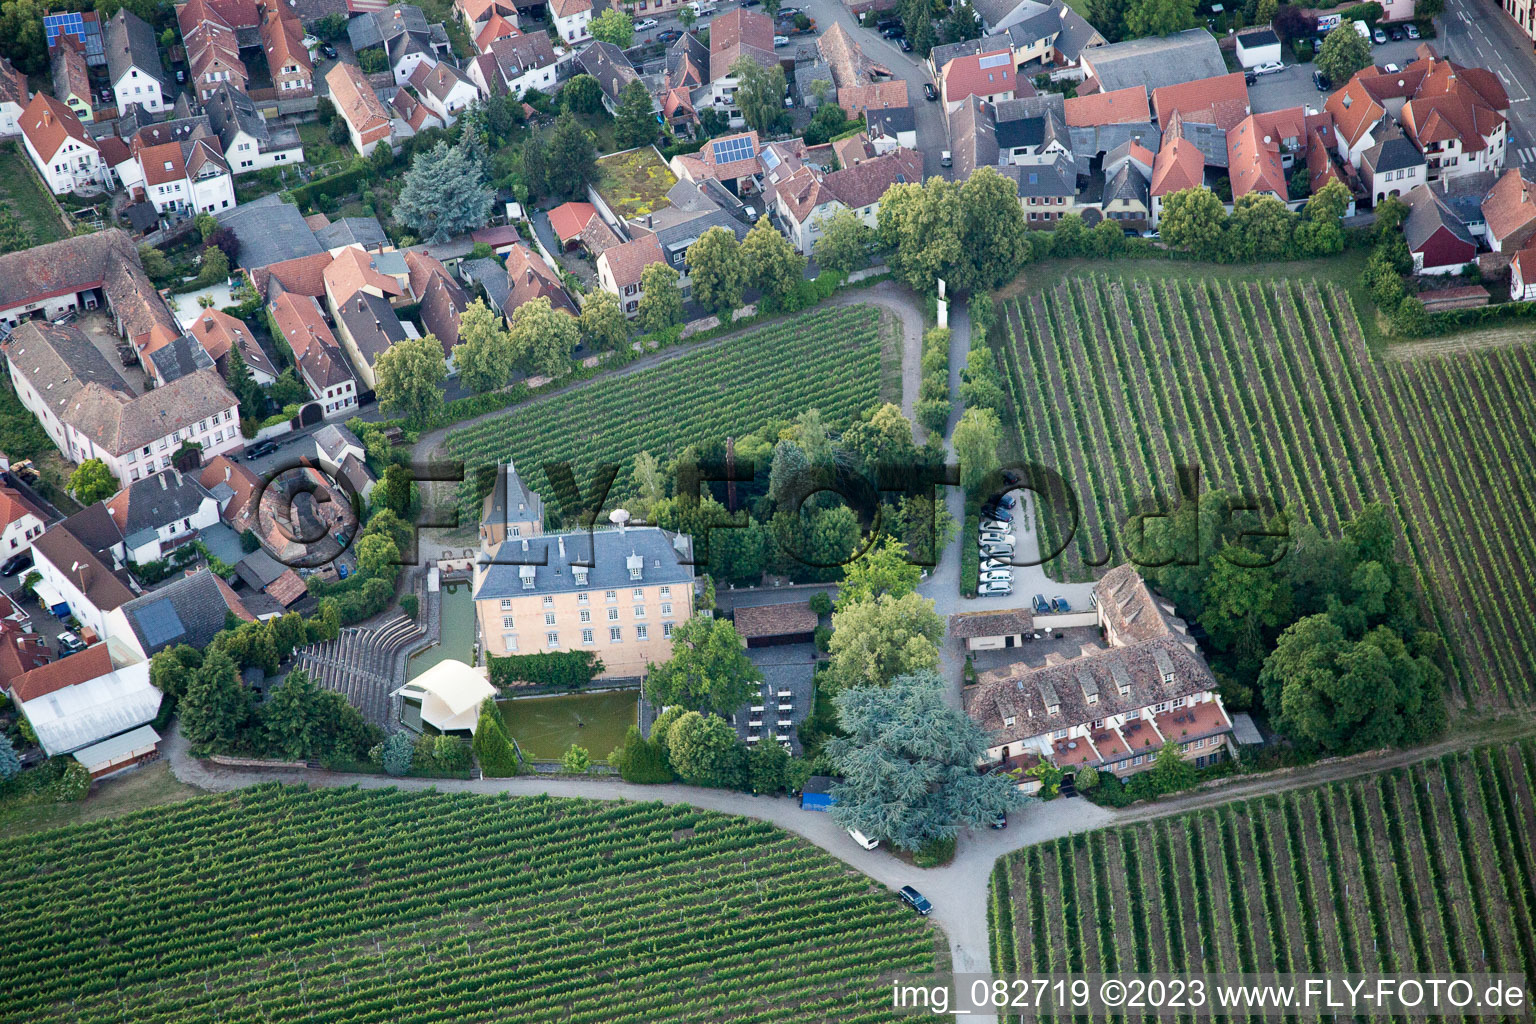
728, 150
159, 623
996, 60
770, 158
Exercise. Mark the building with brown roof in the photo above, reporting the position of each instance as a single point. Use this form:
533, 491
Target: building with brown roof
368, 120
529, 277
441, 298
71, 75
1111, 703
20, 653
514, 63
990, 76
190, 175
1509, 211
1221, 101
444, 90
985, 631
74, 575
298, 321
620, 267
572, 18
288, 60
1122, 106
213, 48
58, 145
352, 271
235, 488
739, 34
82, 703
857, 100
809, 197
20, 522
1179, 165
219, 333
773, 625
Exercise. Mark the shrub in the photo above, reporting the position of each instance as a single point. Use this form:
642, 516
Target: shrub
493, 747
570, 669
450, 753
410, 605
821, 603
933, 413
75, 783
575, 760
1086, 778
398, 754
640, 760
935, 853
822, 638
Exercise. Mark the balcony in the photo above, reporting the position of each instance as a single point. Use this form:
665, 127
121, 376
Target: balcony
1069, 753
1182, 725
1109, 744
1141, 736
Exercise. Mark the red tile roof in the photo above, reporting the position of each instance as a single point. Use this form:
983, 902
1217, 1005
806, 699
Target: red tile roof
355, 98
628, 261
162, 164
739, 33
1253, 159
89, 664
352, 270
569, 219
1122, 106
1510, 206
1179, 165
1222, 101
14, 507
991, 73
48, 123
305, 275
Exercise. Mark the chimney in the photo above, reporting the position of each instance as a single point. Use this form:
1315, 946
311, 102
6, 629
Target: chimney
561, 539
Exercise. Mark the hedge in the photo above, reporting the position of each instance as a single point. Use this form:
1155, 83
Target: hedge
570, 669
321, 189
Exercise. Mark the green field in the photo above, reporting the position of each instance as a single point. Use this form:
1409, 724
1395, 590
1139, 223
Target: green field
283, 904
826, 358
1267, 384
21, 194
1420, 870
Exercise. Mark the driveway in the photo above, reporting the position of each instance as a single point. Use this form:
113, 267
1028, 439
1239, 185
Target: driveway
1293, 87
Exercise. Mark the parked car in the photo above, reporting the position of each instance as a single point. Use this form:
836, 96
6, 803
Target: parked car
1059, 604
1272, 68
1379, 35
260, 449
1001, 821
894, 32
1041, 605
1396, 34
905, 44
998, 552
988, 564
929, 92
996, 535
779, 41
996, 514
646, 24
995, 589
671, 35
996, 576
863, 840
342, 572
945, 159
1322, 81
16, 563
1391, 69
328, 51
69, 643
1003, 501
788, 12
1412, 30
1249, 78
916, 900
994, 525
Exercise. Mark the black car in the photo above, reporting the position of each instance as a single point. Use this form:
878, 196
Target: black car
260, 449
905, 44
328, 51
1322, 81
929, 92
1001, 821
671, 35
1249, 78
916, 900
894, 32
16, 563
1396, 35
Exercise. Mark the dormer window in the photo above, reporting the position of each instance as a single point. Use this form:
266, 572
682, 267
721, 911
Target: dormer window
1008, 722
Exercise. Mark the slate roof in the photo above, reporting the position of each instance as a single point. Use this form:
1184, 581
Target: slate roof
83, 567
607, 553
969, 625
1392, 152
1157, 61
1128, 183
888, 122
1262, 36
489, 274
156, 501
94, 527
510, 499
1055, 177
179, 357
443, 302
190, 610
270, 231
130, 43
516, 55
607, 63
372, 323
1428, 214
379, 28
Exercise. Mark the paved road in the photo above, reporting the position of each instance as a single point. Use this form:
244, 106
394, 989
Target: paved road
1478, 33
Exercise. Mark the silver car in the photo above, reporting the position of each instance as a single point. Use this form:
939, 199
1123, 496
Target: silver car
995, 589
997, 576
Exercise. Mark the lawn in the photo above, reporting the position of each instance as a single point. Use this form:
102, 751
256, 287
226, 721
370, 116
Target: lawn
319, 150
1420, 870
286, 904
147, 786
1265, 382
826, 358
25, 198
635, 183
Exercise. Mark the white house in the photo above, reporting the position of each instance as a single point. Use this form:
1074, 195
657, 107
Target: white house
1258, 46
160, 513
250, 144
191, 175
133, 63
14, 97
75, 578
511, 65
572, 18
59, 146
20, 523
1522, 276
442, 89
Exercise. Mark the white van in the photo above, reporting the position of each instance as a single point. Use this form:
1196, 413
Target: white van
1364, 30
863, 840
703, 7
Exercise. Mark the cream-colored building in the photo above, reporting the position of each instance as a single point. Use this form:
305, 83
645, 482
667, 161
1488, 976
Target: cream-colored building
618, 593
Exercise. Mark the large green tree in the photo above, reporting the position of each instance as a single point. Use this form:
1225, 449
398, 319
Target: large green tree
772, 266
760, 95
1159, 17
908, 765
92, 481
484, 356
919, 226
173, 669
582, 95
216, 706
303, 721
661, 298
994, 236
704, 751
1342, 54
570, 158
1260, 228
409, 378
978, 435
709, 669
716, 271
613, 26
844, 243
883, 569
445, 194
543, 336
635, 123
873, 641
1194, 220
602, 323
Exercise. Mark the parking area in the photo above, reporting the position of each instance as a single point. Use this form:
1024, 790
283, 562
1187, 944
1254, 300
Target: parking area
1294, 87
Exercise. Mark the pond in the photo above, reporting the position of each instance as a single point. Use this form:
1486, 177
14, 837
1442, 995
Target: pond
457, 641
545, 726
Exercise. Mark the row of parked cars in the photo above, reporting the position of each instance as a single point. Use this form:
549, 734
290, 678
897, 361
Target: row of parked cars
995, 541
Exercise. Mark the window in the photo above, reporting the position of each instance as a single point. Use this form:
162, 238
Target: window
1178, 702
666, 591
552, 639
506, 622
586, 616
549, 602
639, 594
1138, 759
613, 615
615, 635
506, 604
1159, 709
549, 618
641, 632
639, 611
1008, 722
1098, 723
666, 630
582, 599
666, 608
610, 595
586, 636
1059, 734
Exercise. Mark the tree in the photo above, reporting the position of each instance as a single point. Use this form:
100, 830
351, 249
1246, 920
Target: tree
75, 783
760, 95
571, 158
582, 95
206, 225
883, 569
716, 270
882, 439
543, 336
216, 706
396, 490
1292, 22
961, 24
979, 384
844, 243
10, 764
492, 745
485, 355
1085, 778
332, 26
813, 544
602, 324
641, 760
1343, 695
243, 386
92, 481
771, 264
1266, 11
1170, 772
994, 234
704, 751
613, 26
908, 765
172, 670
1108, 16
409, 378
1194, 220
768, 767
445, 194
661, 300
1342, 54
877, 640
920, 225
398, 754
1260, 228
976, 440
687, 15
709, 669
576, 760
917, 23
635, 123
213, 266
300, 721
1159, 17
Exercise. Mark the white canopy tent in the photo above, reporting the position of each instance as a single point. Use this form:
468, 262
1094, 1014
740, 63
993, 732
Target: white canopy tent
450, 694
